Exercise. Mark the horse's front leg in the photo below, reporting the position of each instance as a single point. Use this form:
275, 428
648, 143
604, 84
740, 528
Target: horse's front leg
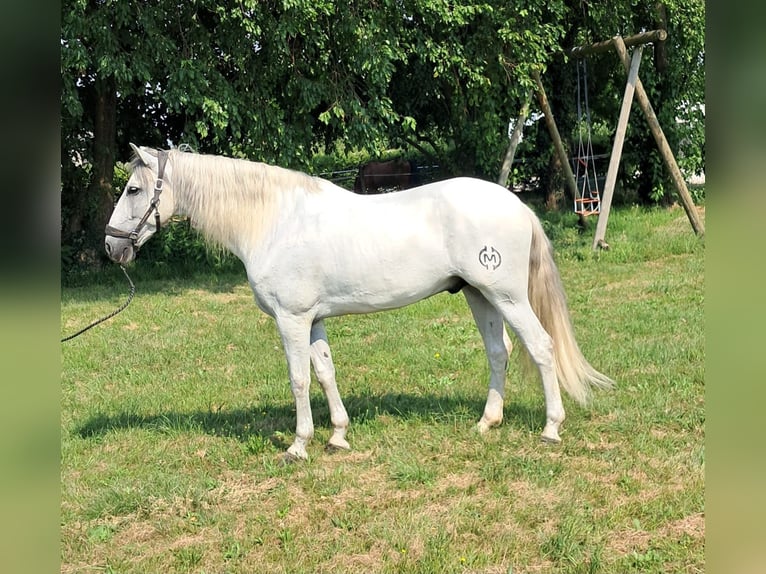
321, 358
295, 340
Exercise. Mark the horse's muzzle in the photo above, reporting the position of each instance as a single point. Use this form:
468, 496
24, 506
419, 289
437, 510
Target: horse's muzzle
120, 250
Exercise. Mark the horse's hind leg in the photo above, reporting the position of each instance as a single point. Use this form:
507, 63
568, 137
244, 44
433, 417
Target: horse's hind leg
498, 346
321, 358
539, 345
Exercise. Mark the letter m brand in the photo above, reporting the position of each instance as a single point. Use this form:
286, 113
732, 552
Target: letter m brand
490, 258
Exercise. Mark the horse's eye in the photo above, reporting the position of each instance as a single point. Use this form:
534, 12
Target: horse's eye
132, 190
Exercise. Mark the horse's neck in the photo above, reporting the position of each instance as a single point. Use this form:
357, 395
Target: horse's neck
231, 209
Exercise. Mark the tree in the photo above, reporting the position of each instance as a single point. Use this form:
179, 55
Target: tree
267, 80
467, 71
278, 80
100, 70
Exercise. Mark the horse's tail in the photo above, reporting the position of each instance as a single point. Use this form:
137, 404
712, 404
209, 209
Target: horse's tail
548, 300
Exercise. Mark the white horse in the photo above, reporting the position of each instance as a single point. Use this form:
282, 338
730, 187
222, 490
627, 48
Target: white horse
313, 250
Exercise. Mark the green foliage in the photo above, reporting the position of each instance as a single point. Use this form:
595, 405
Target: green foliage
281, 81
467, 72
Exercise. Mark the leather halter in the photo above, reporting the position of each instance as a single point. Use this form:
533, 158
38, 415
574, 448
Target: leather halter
162, 157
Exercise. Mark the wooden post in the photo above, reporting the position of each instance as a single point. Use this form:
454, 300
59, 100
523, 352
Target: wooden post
662, 143
614, 158
557, 143
628, 41
505, 170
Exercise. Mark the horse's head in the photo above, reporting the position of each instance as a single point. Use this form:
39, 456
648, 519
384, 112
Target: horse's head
139, 212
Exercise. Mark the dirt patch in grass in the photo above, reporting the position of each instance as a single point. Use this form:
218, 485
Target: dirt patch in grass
639, 540
692, 525
240, 490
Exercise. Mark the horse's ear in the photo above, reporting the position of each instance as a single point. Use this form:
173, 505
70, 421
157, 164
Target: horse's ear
144, 155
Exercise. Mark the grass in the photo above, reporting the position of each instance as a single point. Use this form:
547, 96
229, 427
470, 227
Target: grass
174, 414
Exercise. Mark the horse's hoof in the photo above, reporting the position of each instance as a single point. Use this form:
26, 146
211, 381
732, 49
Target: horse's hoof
550, 433
550, 438
337, 447
483, 425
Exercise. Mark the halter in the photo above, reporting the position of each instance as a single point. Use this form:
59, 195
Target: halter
162, 157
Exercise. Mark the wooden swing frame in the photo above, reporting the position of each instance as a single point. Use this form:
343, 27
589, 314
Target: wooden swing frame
633, 86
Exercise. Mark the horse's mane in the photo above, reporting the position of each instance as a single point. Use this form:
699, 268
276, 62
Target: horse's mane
229, 199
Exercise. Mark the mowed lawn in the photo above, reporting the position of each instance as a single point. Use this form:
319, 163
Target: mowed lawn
175, 412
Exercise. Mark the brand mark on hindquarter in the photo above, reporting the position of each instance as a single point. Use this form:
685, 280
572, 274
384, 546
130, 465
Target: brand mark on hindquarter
490, 258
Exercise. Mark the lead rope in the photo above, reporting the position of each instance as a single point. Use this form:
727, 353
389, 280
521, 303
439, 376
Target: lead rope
113, 313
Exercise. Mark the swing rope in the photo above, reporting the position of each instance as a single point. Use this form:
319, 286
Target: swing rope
588, 201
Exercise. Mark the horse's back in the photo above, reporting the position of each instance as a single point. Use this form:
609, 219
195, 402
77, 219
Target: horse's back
451, 220
452, 205
470, 202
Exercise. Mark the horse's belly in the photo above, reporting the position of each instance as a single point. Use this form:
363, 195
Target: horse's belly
380, 295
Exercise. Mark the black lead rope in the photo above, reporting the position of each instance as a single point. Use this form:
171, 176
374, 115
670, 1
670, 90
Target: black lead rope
110, 315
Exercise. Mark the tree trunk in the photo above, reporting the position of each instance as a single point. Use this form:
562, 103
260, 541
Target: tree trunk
100, 195
554, 184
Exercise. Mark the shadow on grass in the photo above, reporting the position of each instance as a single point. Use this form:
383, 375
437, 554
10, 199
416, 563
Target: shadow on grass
150, 279
271, 421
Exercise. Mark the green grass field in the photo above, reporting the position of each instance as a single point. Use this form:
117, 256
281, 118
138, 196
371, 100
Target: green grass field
174, 413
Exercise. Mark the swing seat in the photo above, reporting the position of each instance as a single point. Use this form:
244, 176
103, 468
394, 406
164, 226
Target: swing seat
587, 205
588, 199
